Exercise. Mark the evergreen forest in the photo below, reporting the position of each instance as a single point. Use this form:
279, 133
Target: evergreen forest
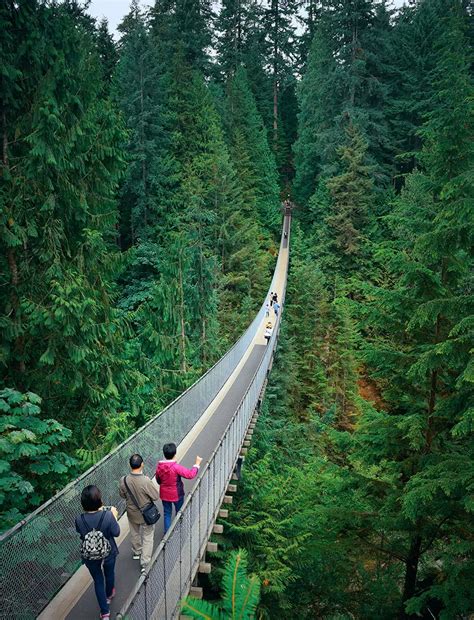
142, 177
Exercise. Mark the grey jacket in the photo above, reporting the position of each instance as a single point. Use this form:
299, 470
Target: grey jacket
145, 491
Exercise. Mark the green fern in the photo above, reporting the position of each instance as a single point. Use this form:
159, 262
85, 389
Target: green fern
241, 594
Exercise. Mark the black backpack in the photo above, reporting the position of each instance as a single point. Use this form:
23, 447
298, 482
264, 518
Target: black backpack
95, 545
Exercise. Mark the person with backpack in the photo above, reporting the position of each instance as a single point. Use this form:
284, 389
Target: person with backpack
276, 308
168, 475
140, 494
98, 529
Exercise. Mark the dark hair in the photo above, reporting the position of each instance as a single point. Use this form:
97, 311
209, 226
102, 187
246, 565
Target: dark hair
135, 461
169, 450
91, 498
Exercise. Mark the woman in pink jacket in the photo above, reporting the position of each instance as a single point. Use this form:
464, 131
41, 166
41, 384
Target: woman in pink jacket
168, 475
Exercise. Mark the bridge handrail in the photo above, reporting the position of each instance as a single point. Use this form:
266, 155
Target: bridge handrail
40, 553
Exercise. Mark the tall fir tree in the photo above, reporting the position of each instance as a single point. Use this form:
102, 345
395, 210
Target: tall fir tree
62, 160
244, 123
348, 72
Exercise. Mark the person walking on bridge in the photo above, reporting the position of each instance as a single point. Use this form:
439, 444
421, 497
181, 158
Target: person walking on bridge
137, 488
276, 308
169, 476
98, 528
268, 331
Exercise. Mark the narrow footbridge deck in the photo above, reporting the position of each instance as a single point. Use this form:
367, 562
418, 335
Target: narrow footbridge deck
40, 572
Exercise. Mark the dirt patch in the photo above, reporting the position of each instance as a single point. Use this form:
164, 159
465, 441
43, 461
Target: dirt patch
369, 391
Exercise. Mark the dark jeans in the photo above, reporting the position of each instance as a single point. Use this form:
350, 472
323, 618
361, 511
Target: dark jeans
168, 510
98, 570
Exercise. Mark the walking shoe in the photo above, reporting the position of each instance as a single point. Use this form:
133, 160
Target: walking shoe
105, 616
109, 598
143, 570
136, 556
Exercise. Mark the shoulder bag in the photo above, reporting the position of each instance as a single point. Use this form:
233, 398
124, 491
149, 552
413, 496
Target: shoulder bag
150, 512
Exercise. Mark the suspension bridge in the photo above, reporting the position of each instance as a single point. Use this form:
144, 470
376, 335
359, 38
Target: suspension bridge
40, 572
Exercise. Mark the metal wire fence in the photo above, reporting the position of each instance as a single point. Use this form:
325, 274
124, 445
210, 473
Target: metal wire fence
40, 553
175, 562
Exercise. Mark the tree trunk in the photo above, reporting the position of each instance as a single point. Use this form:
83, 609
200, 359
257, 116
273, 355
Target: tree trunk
411, 571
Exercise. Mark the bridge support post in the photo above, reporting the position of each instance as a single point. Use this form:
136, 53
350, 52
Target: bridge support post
195, 592
204, 568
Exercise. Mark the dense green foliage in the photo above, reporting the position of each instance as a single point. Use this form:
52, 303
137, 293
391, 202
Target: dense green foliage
30, 458
137, 218
140, 193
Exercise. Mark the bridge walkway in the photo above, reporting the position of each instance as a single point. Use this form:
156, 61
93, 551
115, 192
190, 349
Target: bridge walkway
76, 600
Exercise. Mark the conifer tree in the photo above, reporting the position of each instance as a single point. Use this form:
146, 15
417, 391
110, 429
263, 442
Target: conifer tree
231, 25
107, 53
420, 347
140, 96
62, 160
350, 194
346, 74
318, 103
416, 32
281, 52
184, 26
244, 123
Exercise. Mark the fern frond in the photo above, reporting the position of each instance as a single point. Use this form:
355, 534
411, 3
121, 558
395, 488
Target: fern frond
201, 609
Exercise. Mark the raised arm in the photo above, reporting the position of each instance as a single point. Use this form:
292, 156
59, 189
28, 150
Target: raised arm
184, 472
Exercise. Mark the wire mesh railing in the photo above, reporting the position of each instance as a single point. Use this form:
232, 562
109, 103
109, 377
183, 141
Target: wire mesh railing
40, 553
175, 562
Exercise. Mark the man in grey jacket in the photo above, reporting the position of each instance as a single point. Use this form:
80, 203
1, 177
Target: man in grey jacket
144, 491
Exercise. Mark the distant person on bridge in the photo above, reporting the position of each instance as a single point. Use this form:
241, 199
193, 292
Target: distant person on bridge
276, 308
268, 331
137, 488
98, 528
275, 298
168, 475
271, 298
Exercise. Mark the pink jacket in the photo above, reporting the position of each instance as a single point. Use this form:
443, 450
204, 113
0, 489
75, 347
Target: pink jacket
168, 475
